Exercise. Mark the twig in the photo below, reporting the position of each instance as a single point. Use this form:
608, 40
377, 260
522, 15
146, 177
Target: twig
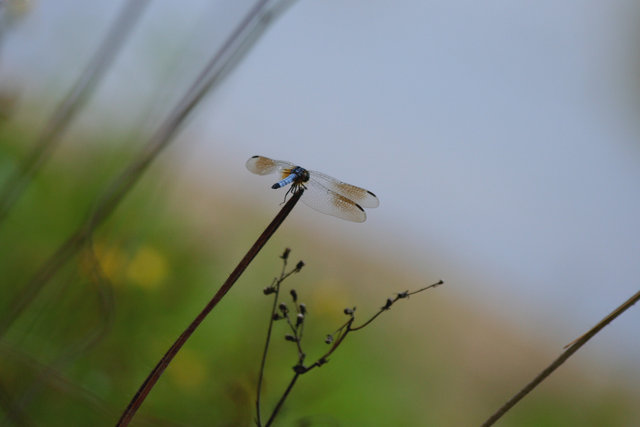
401, 295
273, 289
282, 399
148, 384
572, 348
342, 333
347, 327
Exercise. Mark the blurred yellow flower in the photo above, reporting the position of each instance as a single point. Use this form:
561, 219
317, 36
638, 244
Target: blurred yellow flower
187, 370
111, 259
148, 268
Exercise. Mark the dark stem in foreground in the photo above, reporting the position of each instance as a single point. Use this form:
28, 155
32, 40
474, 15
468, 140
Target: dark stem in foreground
572, 348
275, 289
148, 384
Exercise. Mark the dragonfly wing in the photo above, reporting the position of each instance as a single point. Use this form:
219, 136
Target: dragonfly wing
264, 166
329, 202
363, 197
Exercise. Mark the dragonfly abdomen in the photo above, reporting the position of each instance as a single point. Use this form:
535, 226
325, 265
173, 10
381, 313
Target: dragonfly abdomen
286, 181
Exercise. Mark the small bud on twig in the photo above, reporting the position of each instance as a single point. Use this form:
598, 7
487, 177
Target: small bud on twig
285, 254
303, 308
349, 311
290, 337
294, 295
404, 294
276, 316
388, 304
328, 339
299, 265
283, 308
299, 319
268, 290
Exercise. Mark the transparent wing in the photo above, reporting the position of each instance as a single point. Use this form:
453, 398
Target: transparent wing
265, 166
329, 202
363, 197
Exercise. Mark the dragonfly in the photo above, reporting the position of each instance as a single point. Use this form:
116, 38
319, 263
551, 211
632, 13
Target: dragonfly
322, 192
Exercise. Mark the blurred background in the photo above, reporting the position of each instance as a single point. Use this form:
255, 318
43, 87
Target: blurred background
501, 140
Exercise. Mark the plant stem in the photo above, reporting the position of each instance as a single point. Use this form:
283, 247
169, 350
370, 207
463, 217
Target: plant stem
573, 347
266, 346
282, 399
153, 377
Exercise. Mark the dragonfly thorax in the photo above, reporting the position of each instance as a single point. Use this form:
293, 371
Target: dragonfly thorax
302, 175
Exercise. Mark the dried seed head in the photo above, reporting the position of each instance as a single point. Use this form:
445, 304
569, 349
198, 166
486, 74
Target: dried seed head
283, 308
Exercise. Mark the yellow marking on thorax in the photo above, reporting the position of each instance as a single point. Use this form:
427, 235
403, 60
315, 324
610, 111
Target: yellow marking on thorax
286, 173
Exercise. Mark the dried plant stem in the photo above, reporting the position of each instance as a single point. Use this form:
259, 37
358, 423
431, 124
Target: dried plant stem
263, 361
572, 348
282, 399
275, 289
153, 377
342, 332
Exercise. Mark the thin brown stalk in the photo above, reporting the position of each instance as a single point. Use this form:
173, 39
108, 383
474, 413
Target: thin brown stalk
153, 377
275, 287
282, 399
263, 360
573, 347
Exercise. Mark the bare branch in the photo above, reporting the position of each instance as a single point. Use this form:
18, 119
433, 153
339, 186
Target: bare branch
572, 348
